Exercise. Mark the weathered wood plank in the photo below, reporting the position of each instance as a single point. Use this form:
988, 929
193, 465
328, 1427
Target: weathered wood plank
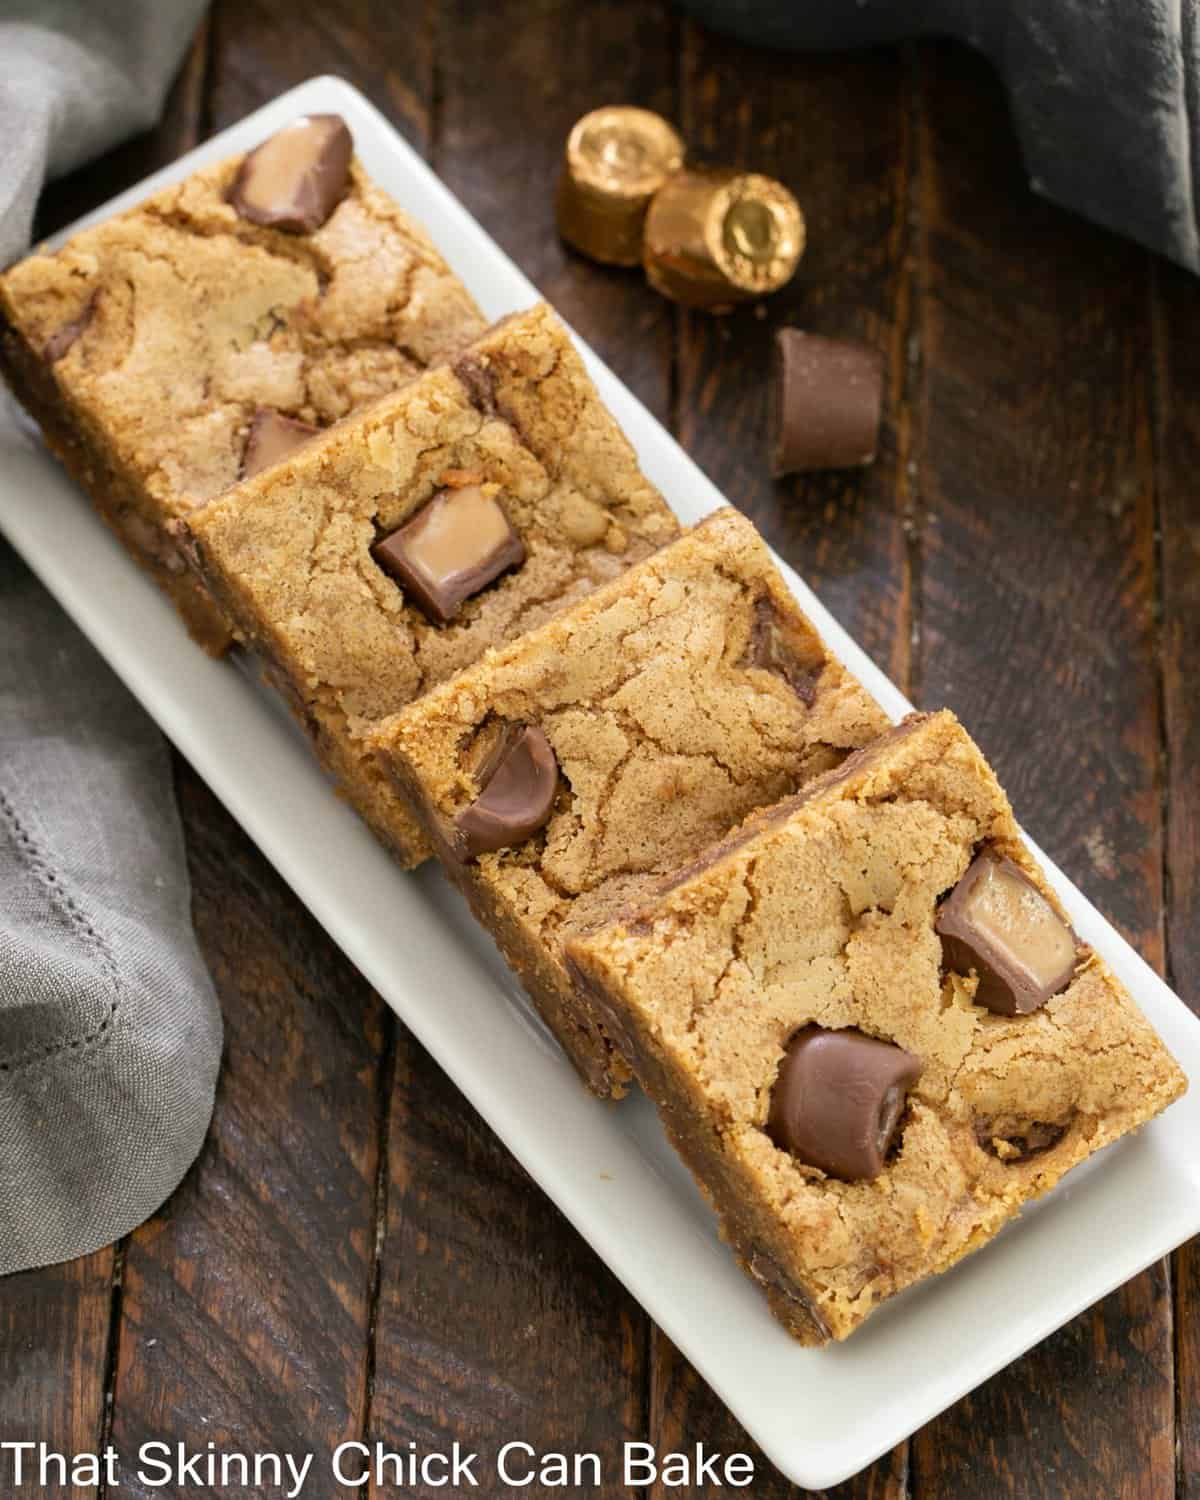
1038, 571
263, 47
1177, 297
55, 1324
54, 1343
683, 1412
246, 1304
495, 1322
835, 129
500, 142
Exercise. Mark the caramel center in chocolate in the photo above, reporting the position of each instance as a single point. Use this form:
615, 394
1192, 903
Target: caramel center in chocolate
997, 923
297, 178
457, 534
1017, 917
454, 547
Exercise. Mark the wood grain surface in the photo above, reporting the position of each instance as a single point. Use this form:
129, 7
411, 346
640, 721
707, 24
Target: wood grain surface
355, 1256
1037, 539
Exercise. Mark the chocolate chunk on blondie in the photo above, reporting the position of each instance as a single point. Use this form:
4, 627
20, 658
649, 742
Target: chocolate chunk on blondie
559, 777
996, 924
451, 549
149, 346
298, 177
364, 568
859, 1119
272, 437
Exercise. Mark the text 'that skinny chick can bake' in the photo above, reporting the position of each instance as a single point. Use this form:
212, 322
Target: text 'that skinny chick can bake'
719, 237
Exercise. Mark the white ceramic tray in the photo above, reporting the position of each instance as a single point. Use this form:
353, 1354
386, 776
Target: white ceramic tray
820, 1415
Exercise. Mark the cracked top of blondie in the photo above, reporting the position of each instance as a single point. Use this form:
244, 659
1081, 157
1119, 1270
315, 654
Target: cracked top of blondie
676, 700
169, 325
822, 912
293, 553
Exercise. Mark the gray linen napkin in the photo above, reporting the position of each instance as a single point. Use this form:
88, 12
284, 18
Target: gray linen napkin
1105, 94
110, 1034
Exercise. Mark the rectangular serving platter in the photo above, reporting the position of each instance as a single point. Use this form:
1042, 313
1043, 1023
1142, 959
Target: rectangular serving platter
819, 1415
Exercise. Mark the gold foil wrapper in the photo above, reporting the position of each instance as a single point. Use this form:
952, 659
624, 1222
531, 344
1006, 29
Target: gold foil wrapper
617, 158
717, 238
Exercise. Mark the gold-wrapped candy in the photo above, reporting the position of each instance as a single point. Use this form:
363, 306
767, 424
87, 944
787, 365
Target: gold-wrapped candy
719, 237
616, 160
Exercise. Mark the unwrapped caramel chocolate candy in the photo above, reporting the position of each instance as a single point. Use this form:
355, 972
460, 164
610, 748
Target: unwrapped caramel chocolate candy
297, 177
616, 160
271, 438
826, 399
453, 547
996, 924
716, 238
518, 783
838, 1100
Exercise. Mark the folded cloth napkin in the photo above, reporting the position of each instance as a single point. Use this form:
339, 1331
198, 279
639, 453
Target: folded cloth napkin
110, 1034
1103, 92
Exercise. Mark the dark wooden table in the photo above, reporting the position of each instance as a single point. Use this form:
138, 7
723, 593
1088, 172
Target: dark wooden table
355, 1254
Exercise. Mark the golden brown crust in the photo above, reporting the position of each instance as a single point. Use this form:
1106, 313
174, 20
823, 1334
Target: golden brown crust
666, 728
289, 552
114, 493
159, 333
825, 914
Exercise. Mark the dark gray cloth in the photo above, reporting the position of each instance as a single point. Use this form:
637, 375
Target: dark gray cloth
110, 1033
1105, 94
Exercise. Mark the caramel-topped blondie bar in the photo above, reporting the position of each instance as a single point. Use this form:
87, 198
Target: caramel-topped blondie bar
389, 552
870, 1029
178, 346
560, 776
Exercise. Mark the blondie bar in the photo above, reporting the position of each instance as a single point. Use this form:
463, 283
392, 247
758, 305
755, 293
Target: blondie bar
393, 550
170, 350
870, 1029
559, 777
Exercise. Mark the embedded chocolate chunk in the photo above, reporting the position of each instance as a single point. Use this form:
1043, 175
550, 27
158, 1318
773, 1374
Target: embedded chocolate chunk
480, 382
1014, 1141
298, 177
517, 787
768, 649
838, 1100
826, 401
454, 546
272, 437
62, 339
997, 923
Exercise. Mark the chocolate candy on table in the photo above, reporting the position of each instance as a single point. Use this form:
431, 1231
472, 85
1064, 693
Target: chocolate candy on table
453, 547
518, 783
272, 437
838, 1100
997, 924
617, 158
716, 238
298, 177
826, 401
